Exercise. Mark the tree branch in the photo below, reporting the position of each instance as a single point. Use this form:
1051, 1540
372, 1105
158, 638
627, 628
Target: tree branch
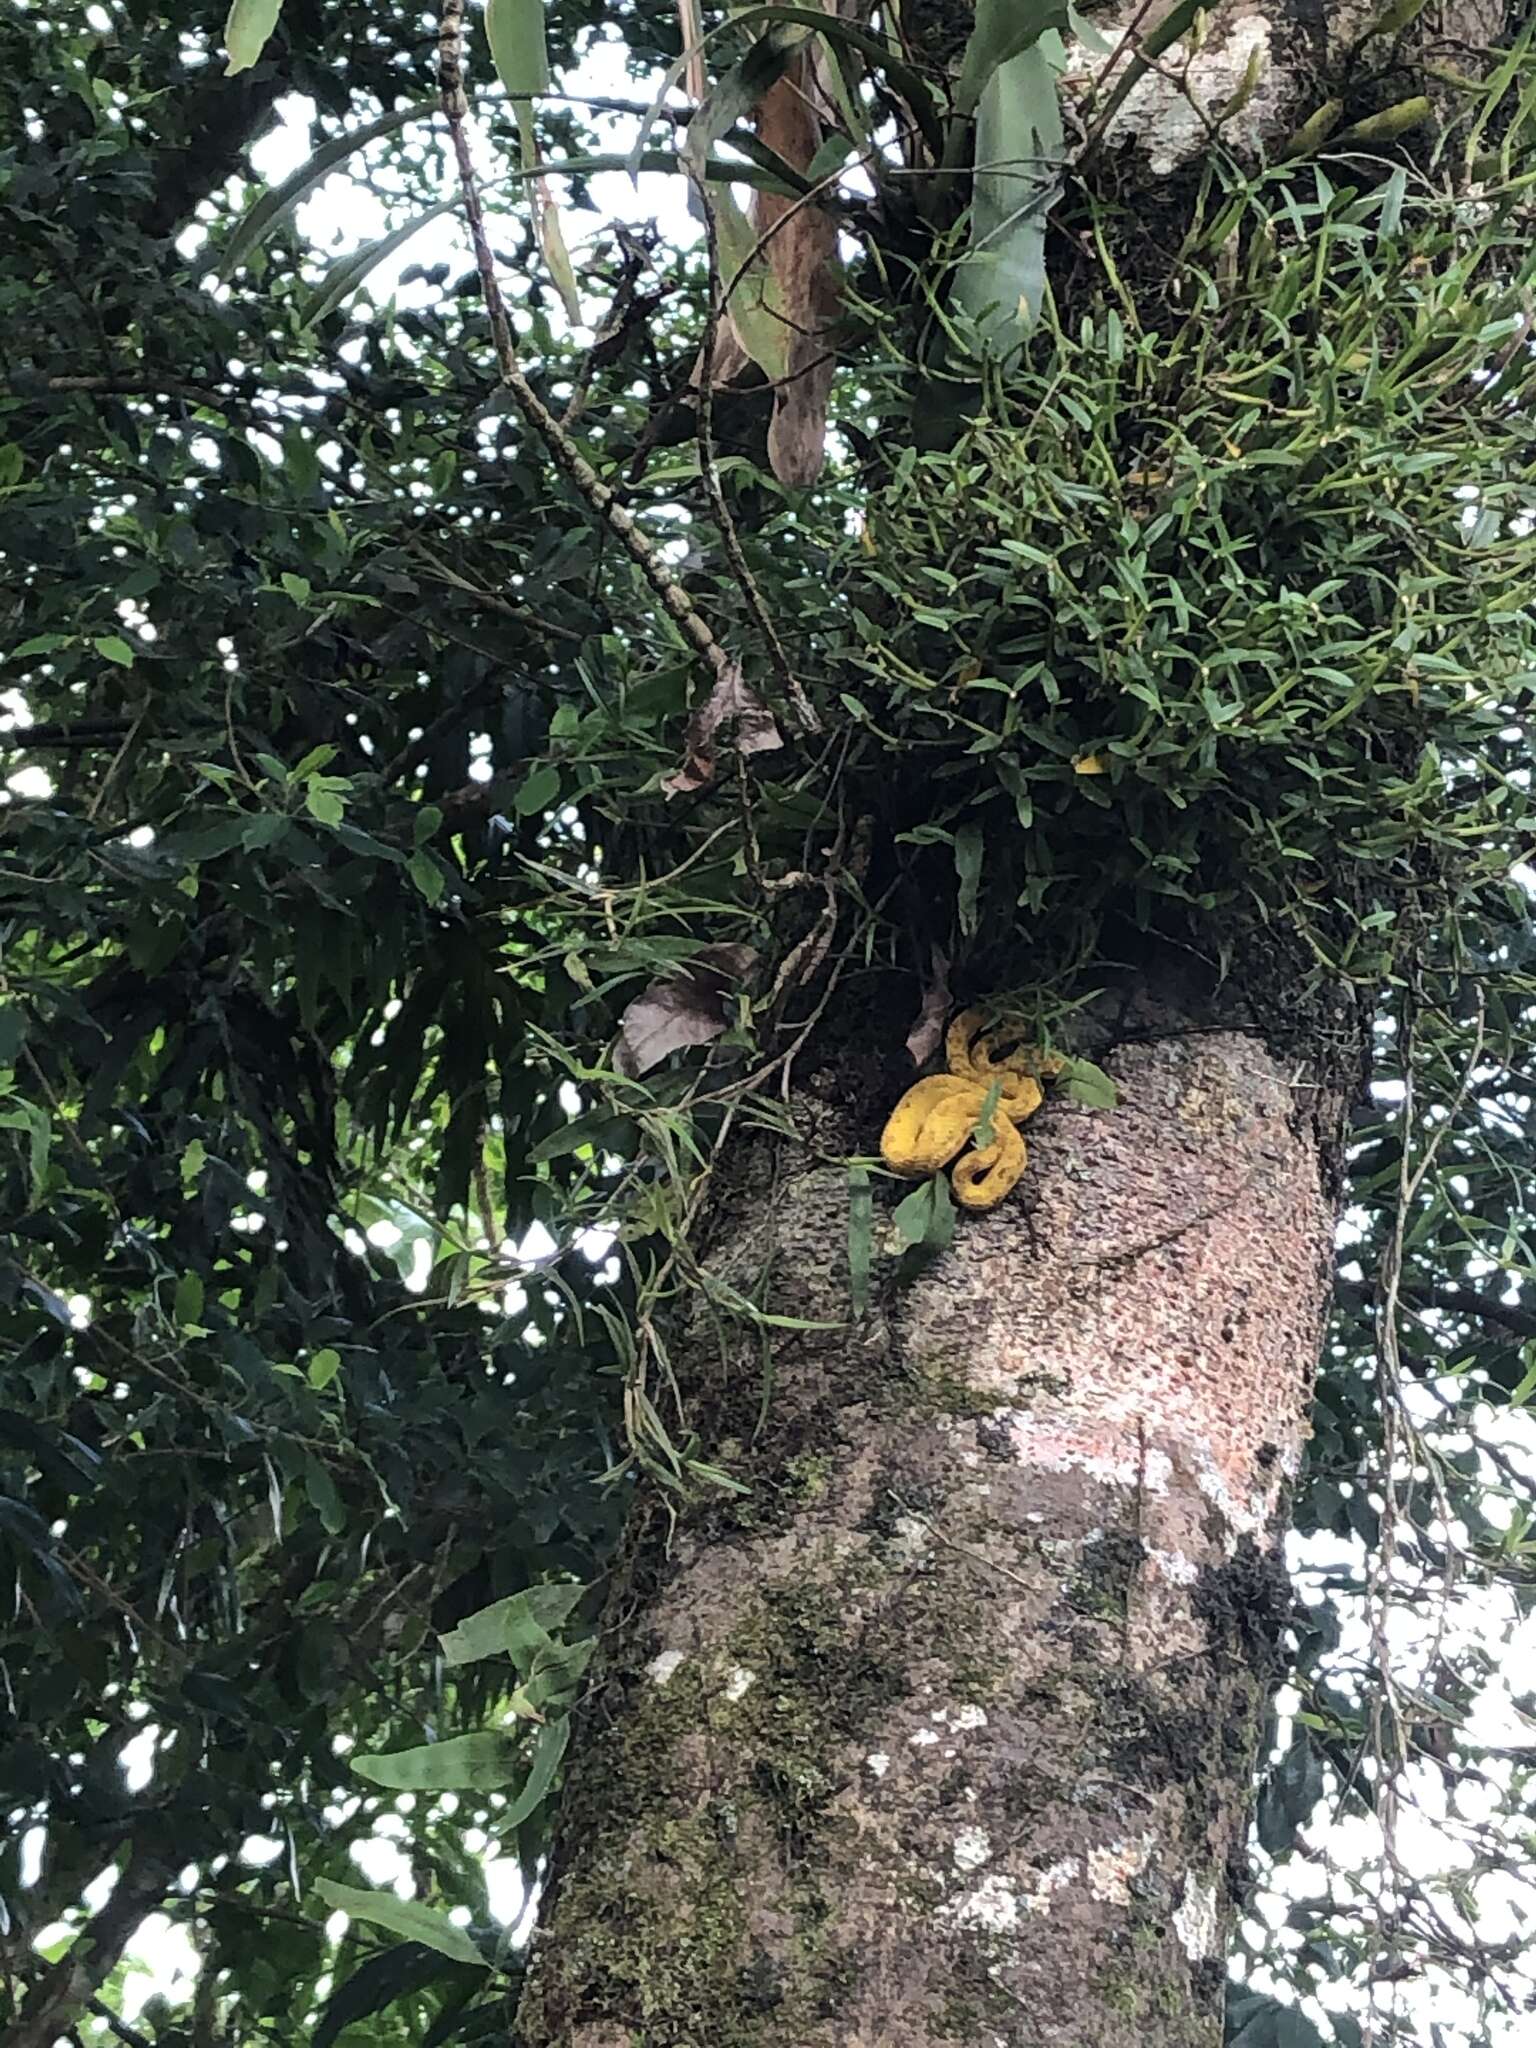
1468, 1303
70, 1985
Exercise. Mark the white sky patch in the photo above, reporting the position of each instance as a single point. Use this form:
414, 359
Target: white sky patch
662, 1669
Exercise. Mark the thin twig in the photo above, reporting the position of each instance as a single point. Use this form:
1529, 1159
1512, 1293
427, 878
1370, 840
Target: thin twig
563, 451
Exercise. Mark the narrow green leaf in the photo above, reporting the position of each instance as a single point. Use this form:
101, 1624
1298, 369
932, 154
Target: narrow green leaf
732, 97
515, 31
348, 272
483, 1762
1177, 22
969, 847
253, 228
34, 1122
401, 1916
546, 1761
861, 1232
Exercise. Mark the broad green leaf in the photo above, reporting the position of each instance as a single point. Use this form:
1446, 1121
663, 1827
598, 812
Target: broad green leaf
553, 1679
401, 1916
538, 792
246, 30
324, 1497
323, 1368
754, 299
515, 31
518, 1626
427, 875
926, 1217
1083, 1082
115, 648
482, 1762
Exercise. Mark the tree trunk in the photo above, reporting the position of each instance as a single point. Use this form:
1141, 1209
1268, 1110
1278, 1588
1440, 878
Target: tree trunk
944, 1736
945, 1733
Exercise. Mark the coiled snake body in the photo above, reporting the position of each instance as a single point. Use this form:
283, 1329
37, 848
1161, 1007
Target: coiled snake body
936, 1118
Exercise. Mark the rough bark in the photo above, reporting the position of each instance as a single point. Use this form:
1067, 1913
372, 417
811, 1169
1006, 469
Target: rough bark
945, 1734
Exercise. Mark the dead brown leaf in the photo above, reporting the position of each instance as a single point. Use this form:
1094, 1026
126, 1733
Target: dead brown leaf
730, 709
687, 1006
927, 1032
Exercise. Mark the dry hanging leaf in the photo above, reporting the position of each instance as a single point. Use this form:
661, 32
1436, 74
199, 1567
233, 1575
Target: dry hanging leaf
688, 1006
927, 1032
729, 708
784, 321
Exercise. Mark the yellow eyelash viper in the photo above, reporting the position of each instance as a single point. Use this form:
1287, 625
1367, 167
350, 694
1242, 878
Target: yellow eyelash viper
937, 1117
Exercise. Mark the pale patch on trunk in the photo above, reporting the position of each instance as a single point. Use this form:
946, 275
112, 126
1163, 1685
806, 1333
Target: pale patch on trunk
1173, 121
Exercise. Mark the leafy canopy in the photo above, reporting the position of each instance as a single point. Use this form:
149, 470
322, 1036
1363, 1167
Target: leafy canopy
360, 787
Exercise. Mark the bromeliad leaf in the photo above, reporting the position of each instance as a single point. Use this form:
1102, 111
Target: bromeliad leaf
1020, 146
1004, 30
